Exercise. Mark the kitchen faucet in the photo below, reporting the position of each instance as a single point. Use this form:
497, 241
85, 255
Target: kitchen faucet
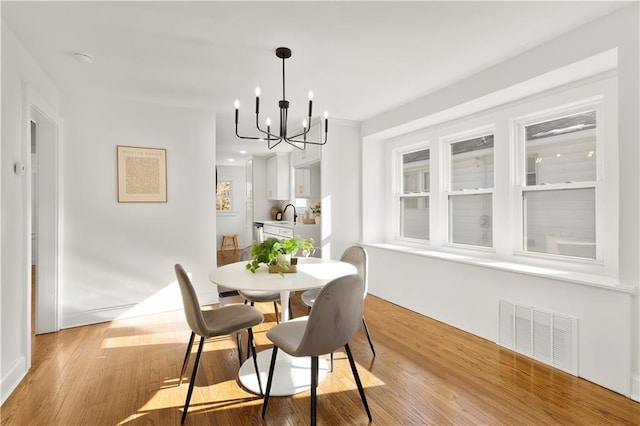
295, 214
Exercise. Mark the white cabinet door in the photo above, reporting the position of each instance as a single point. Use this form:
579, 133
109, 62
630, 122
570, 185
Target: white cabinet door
312, 153
303, 183
278, 177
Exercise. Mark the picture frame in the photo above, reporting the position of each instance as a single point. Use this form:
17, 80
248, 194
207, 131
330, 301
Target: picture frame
142, 174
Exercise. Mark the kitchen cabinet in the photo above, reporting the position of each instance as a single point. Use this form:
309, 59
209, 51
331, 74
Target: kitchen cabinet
278, 177
307, 182
312, 154
303, 183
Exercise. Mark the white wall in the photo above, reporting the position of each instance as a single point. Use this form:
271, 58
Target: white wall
119, 257
234, 222
466, 296
17, 68
340, 186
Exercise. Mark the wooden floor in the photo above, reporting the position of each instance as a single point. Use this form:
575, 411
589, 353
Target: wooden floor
126, 372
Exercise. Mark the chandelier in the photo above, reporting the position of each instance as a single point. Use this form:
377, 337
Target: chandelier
298, 140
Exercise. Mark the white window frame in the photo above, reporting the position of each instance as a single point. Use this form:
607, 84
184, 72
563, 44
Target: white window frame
520, 164
509, 174
447, 191
232, 206
400, 195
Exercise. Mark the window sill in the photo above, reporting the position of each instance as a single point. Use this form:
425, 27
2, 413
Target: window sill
593, 280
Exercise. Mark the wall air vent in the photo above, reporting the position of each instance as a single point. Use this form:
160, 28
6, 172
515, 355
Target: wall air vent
545, 336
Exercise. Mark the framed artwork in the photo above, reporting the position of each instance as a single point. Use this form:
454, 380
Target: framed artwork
142, 175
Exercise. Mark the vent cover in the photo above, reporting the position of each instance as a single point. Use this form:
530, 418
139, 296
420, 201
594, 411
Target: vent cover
547, 337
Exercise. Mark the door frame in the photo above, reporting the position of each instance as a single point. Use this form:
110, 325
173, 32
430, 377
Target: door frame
35, 108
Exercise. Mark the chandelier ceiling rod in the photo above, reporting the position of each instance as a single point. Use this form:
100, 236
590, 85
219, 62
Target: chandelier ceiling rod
272, 139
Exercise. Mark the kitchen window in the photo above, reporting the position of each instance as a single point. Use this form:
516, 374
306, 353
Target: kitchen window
223, 196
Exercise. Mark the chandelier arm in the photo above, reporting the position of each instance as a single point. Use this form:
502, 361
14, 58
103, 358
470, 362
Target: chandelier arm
253, 138
294, 144
303, 133
305, 141
292, 141
258, 125
275, 144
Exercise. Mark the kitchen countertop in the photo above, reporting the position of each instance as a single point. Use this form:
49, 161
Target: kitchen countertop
286, 223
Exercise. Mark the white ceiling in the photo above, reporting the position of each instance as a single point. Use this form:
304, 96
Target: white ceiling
359, 58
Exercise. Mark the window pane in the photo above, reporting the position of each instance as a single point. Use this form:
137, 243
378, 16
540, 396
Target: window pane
561, 222
223, 195
415, 171
562, 150
414, 214
472, 163
471, 220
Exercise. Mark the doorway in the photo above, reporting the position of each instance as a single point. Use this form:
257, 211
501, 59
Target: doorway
44, 229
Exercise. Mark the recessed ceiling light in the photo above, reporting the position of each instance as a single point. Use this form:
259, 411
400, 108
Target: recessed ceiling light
83, 58
231, 160
243, 152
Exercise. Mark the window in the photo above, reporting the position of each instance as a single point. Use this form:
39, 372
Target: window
558, 192
533, 182
470, 190
414, 195
223, 196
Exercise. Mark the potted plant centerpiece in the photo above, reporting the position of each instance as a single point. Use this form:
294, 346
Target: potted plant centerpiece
279, 255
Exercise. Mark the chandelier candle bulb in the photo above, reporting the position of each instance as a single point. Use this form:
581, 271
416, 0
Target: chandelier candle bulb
326, 121
257, 100
237, 105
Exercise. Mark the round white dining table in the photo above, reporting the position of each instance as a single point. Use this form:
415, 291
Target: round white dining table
291, 374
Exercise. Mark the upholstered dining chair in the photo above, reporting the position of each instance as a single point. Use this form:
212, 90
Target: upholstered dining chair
253, 296
358, 257
216, 322
259, 296
333, 320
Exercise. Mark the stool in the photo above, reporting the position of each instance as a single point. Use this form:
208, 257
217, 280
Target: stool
230, 240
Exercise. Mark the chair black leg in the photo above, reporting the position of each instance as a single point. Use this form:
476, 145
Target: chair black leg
290, 310
308, 309
275, 308
252, 342
331, 356
272, 366
358, 382
239, 345
186, 357
366, 330
193, 380
314, 388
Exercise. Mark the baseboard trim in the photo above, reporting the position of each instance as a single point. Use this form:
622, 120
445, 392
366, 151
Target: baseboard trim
112, 313
12, 379
635, 387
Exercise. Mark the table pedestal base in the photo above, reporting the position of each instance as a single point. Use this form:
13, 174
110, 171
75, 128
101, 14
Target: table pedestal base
291, 375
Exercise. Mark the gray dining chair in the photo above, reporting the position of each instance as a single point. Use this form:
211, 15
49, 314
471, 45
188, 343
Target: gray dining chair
333, 320
358, 257
260, 296
222, 321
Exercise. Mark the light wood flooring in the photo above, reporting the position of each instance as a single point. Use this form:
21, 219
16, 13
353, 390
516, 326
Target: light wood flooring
425, 372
